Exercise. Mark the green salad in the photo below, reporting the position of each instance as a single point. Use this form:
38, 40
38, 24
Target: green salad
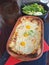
34, 9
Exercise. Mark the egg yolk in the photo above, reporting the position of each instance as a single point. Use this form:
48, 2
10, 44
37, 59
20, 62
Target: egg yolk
22, 43
26, 34
27, 26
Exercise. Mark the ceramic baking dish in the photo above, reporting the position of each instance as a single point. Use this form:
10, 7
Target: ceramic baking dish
24, 57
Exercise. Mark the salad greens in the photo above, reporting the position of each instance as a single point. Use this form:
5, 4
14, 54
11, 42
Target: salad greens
34, 9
